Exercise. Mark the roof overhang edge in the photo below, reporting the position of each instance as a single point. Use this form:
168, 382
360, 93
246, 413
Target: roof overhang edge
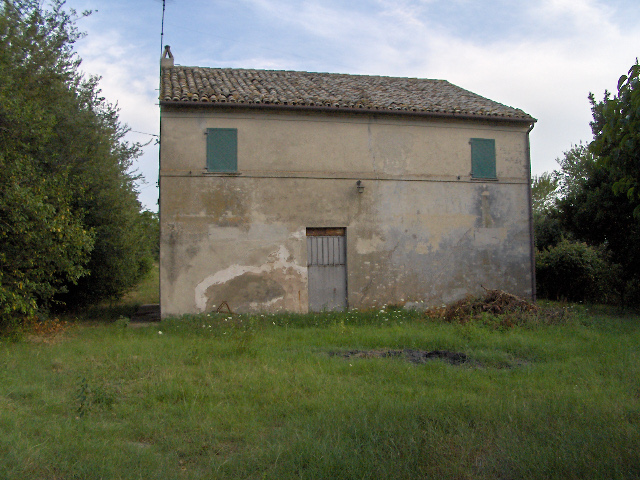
370, 111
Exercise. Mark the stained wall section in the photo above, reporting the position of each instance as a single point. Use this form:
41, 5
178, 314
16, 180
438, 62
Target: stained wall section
422, 232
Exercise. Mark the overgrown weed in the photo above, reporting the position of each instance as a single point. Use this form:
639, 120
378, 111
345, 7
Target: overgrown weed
260, 396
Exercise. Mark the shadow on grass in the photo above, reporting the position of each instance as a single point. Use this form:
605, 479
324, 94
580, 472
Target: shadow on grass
146, 292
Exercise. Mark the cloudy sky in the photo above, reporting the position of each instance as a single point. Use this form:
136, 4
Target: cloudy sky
543, 56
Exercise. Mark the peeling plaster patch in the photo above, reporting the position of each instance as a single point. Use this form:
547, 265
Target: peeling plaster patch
281, 259
371, 245
299, 235
246, 289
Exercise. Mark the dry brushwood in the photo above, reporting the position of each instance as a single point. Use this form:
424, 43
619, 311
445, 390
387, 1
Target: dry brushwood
496, 302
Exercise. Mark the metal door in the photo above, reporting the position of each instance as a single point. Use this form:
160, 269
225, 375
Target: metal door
327, 269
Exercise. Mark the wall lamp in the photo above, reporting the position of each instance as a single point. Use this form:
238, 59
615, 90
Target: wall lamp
360, 186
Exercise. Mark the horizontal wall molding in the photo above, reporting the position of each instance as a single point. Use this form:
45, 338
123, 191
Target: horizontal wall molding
364, 176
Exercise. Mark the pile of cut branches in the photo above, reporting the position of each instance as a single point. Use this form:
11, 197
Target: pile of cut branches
498, 309
496, 302
493, 302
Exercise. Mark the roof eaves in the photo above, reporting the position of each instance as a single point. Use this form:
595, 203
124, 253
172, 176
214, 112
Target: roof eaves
293, 106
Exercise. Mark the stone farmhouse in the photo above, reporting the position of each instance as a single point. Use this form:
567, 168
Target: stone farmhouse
301, 191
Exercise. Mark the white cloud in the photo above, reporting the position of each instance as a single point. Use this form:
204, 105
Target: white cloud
543, 56
572, 47
577, 15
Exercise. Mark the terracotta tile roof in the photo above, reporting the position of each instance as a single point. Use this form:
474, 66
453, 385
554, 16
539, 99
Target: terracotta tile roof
216, 86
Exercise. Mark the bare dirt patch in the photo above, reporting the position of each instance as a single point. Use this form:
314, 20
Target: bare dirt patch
413, 356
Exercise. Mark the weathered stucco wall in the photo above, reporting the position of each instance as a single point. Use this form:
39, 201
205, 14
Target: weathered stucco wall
422, 232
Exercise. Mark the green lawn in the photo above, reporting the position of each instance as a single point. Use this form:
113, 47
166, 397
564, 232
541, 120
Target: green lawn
267, 397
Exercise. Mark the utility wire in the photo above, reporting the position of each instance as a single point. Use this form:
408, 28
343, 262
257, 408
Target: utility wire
144, 133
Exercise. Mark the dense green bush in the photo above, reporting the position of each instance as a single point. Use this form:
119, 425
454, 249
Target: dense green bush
70, 223
548, 231
576, 271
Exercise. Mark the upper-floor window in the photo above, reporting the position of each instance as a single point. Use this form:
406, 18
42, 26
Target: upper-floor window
222, 149
483, 158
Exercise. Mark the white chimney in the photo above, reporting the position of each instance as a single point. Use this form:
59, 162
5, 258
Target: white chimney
167, 57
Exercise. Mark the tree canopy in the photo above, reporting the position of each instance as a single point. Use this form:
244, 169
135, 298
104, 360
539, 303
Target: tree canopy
597, 200
70, 223
602, 204
616, 130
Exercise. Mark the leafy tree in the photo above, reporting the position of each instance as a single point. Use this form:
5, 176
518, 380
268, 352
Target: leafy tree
151, 223
544, 192
575, 167
596, 214
547, 229
600, 201
43, 241
100, 164
70, 222
43, 245
570, 264
616, 130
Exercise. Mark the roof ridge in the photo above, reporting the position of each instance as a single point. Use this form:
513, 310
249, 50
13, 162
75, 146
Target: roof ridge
268, 70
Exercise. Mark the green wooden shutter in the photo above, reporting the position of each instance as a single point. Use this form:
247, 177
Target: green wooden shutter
483, 158
222, 149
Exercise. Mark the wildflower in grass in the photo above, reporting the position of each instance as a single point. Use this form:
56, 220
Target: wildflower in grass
159, 332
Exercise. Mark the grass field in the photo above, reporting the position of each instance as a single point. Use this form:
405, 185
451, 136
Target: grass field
275, 397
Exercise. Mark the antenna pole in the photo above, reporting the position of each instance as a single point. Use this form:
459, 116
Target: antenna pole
162, 29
